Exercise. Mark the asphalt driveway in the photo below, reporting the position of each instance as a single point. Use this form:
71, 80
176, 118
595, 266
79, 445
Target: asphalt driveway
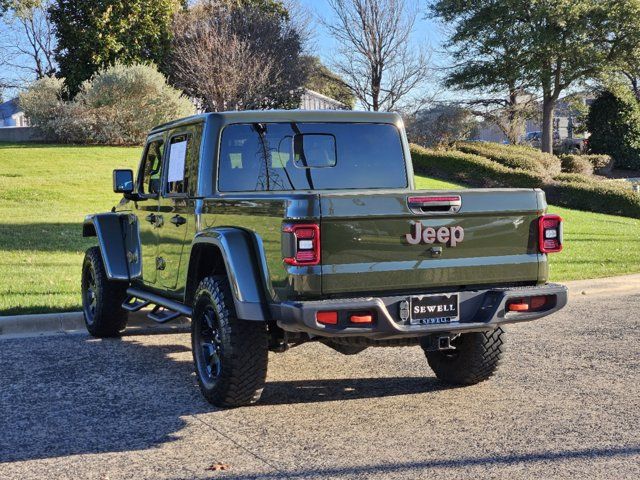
565, 404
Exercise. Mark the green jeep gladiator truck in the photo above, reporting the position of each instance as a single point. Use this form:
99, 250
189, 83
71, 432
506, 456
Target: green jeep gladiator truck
274, 228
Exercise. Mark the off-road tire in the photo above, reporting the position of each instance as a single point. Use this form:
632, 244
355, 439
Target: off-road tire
102, 298
475, 358
243, 347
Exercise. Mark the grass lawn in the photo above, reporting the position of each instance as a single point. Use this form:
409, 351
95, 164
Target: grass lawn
45, 191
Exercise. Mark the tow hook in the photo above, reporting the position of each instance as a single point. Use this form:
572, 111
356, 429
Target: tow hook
444, 343
436, 343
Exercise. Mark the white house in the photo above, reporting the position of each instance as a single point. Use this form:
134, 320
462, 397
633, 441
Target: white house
11, 115
316, 101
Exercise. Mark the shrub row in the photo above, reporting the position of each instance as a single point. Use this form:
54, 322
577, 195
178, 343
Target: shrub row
472, 169
576, 164
118, 105
586, 164
600, 161
515, 156
597, 196
573, 178
571, 190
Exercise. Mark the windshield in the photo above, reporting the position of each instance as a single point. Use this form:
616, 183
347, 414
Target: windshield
310, 156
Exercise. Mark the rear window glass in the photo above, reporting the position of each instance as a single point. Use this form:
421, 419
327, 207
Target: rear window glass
316, 156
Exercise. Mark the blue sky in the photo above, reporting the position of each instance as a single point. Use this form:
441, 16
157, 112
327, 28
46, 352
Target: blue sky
427, 32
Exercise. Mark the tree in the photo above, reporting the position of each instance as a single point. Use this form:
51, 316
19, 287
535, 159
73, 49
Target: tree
92, 35
29, 40
375, 56
4, 6
237, 55
322, 80
614, 123
550, 45
118, 105
43, 103
508, 114
440, 126
490, 67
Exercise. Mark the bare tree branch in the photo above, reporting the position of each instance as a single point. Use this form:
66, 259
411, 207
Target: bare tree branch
375, 56
231, 60
28, 41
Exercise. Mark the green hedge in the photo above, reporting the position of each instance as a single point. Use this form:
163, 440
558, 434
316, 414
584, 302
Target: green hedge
598, 197
573, 178
471, 169
576, 164
571, 190
599, 161
514, 156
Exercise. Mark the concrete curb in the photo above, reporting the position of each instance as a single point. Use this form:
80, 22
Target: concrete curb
41, 323
625, 284
18, 326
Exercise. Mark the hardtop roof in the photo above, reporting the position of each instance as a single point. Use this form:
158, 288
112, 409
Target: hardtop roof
260, 116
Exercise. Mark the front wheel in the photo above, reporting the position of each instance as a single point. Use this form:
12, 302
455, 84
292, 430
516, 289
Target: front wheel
475, 358
230, 355
102, 298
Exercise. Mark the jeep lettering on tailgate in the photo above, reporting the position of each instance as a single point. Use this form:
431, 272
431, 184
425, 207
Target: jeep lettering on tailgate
429, 235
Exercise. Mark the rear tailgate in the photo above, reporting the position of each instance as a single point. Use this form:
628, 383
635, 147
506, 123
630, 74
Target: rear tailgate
365, 247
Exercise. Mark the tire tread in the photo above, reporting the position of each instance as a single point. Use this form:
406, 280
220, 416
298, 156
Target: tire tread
479, 355
110, 318
244, 367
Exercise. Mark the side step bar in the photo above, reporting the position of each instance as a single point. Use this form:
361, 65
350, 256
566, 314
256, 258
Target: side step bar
164, 310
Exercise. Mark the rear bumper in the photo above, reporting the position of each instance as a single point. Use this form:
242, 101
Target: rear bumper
479, 310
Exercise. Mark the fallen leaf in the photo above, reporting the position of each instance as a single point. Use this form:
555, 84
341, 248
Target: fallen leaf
218, 466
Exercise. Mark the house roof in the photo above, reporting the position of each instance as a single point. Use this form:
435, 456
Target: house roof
9, 108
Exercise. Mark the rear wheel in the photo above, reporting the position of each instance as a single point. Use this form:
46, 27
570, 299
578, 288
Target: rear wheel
475, 358
230, 355
102, 298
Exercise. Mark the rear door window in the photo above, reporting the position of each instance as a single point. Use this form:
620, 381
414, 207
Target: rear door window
177, 172
150, 180
310, 156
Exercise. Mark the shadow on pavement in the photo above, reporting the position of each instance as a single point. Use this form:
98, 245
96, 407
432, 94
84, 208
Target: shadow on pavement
413, 468
310, 391
71, 395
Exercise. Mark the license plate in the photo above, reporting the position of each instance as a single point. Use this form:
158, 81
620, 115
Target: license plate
435, 309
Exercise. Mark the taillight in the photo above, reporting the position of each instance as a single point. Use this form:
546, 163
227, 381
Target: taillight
550, 233
531, 304
306, 244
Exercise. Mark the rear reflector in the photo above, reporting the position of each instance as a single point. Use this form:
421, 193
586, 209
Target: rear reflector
538, 302
518, 307
550, 234
530, 304
361, 318
327, 318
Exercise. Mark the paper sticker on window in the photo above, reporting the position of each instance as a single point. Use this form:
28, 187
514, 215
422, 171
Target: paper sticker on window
177, 156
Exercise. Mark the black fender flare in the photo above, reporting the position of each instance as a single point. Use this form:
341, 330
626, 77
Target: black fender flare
242, 267
119, 243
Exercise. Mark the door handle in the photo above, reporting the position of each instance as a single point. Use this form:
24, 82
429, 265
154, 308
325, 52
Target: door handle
177, 220
151, 218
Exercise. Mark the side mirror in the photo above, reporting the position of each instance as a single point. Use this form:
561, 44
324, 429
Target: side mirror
123, 181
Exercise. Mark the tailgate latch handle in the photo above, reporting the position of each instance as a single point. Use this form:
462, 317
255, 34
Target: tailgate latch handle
435, 204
